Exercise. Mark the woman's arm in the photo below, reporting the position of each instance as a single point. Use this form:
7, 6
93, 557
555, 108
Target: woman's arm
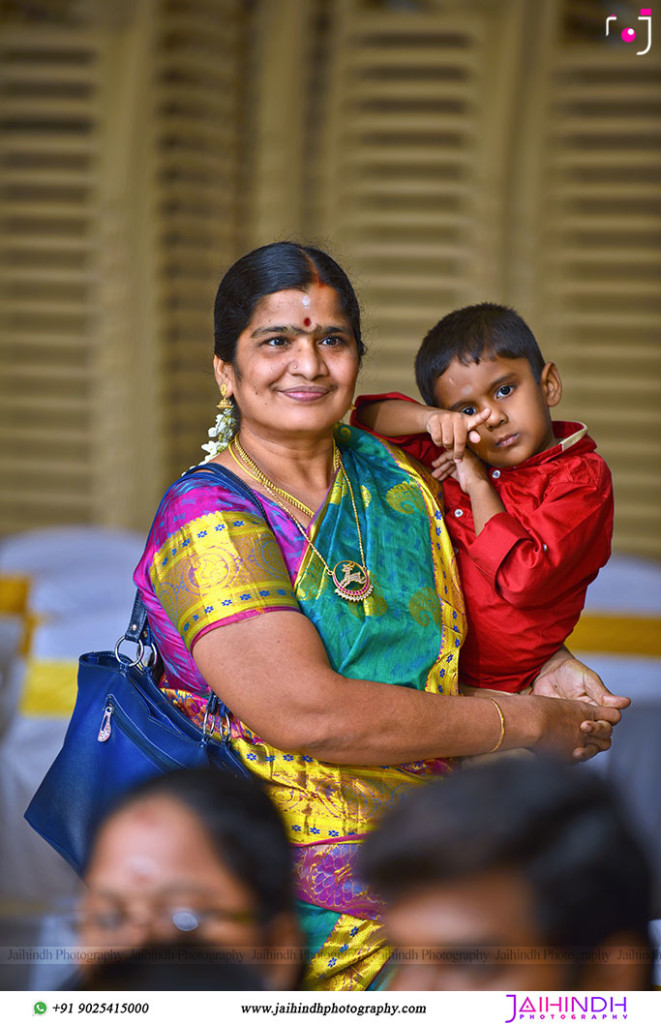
272, 671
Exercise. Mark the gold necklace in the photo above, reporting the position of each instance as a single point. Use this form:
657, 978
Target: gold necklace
352, 572
255, 472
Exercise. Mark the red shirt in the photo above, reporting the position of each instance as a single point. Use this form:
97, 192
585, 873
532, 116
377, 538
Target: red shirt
526, 574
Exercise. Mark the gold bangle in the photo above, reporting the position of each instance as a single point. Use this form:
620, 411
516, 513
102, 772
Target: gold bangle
502, 727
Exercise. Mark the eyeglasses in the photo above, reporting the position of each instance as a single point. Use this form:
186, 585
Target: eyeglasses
109, 915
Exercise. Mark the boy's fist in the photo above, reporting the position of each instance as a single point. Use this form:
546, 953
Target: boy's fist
451, 430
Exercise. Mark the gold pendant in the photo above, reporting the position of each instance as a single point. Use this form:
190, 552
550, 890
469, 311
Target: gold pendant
353, 575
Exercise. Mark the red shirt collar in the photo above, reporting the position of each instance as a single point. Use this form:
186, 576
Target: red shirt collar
567, 434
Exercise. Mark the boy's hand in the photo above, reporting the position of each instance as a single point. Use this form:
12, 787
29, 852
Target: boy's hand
473, 478
470, 470
444, 466
563, 675
451, 430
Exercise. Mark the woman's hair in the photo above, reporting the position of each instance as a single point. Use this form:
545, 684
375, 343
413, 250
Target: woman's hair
273, 268
242, 825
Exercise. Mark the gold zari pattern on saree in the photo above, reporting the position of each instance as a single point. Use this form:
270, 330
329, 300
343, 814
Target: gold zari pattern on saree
217, 567
350, 958
325, 802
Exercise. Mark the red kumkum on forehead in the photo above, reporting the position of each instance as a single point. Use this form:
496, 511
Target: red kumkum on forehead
307, 321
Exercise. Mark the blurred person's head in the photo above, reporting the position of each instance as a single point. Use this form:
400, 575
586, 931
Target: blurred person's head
486, 357
196, 852
513, 876
188, 967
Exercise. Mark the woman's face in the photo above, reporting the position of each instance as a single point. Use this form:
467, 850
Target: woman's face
155, 874
296, 364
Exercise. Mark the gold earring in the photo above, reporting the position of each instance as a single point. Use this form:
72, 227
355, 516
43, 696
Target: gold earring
225, 402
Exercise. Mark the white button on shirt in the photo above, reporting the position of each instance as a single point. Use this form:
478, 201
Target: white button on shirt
495, 474
459, 512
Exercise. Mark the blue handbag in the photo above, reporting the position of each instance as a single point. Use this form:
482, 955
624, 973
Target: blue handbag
123, 730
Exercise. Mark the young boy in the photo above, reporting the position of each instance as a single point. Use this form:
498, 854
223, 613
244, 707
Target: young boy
529, 505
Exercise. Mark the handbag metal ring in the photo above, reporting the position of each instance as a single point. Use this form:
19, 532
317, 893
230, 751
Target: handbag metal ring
152, 655
141, 650
226, 729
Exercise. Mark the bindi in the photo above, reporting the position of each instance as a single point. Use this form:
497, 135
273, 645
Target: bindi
143, 867
307, 321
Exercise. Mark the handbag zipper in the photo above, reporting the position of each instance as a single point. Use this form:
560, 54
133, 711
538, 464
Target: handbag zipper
124, 723
106, 725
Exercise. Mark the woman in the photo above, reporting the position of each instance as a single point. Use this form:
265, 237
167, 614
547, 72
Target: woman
194, 855
335, 585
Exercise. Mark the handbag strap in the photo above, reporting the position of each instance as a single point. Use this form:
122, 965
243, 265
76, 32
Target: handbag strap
138, 630
226, 476
137, 626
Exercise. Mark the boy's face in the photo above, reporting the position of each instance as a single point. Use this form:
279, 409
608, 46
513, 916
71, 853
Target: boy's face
460, 934
519, 424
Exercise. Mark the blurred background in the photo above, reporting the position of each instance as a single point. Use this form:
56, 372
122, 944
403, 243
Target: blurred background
445, 151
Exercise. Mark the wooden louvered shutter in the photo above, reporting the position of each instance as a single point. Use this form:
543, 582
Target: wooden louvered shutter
48, 174
75, 274
413, 166
593, 259
199, 59
118, 203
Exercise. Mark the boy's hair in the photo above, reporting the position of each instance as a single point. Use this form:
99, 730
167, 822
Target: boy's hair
560, 830
467, 334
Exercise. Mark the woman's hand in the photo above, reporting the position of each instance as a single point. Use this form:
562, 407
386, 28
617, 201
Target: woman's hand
596, 725
555, 726
563, 675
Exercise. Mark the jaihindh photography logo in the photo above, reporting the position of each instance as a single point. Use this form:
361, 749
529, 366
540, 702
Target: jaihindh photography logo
628, 34
554, 1007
